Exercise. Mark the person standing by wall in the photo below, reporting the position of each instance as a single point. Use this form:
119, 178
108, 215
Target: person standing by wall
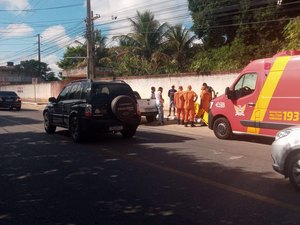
160, 105
190, 97
205, 97
171, 93
179, 104
152, 95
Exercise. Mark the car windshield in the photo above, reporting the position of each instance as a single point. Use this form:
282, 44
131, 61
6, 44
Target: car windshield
8, 93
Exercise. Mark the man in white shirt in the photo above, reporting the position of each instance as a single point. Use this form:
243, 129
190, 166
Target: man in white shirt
160, 105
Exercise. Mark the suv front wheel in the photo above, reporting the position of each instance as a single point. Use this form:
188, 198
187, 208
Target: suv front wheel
49, 128
76, 130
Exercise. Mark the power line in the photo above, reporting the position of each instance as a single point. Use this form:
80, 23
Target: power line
40, 9
159, 9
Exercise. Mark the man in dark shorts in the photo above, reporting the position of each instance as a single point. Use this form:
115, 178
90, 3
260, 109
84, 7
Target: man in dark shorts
171, 93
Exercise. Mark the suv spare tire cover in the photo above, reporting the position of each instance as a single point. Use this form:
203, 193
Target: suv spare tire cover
123, 107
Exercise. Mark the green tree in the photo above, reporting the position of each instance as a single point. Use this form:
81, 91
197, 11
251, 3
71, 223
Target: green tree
34, 68
73, 57
133, 65
179, 42
213, 20
218, 23
292, 34
50, 76
147, 35
76, 56
101, 51
259, 24
230, 57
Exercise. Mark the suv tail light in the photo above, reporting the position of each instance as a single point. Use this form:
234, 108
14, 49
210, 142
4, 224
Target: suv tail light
88, 110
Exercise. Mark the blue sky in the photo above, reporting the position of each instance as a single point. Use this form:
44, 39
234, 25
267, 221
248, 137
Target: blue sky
61, 22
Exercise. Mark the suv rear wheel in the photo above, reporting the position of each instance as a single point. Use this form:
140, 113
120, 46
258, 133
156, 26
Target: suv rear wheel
128, 132
294, 171
123, 107
76, 130
49, 128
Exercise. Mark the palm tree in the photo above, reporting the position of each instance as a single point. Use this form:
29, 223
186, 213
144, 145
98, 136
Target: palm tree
147, 35
100, 47
179, 41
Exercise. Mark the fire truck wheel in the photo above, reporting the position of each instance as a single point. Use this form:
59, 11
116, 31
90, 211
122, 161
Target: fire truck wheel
222, 128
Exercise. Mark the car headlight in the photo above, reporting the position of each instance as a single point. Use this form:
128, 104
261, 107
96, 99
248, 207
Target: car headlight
282, 134
211, 104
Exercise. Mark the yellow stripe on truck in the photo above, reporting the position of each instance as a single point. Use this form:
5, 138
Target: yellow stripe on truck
267, 92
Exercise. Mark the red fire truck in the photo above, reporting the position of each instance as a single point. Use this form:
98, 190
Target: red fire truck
263, 99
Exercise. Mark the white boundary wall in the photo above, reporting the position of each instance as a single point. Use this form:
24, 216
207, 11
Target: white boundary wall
218, 82
30, 91
142, 85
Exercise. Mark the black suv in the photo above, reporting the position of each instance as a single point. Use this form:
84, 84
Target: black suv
85, 105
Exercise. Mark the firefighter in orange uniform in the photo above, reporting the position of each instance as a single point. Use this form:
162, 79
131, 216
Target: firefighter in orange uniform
190, 97
179, 103
205, 97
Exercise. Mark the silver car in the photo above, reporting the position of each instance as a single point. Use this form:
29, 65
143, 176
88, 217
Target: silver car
286, 154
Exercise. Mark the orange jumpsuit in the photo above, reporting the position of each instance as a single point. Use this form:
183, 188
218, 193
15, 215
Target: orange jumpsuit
179, 103
205, 100
189, 106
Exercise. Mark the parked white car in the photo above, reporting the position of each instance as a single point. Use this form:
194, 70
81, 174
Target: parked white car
147, 107
286, 154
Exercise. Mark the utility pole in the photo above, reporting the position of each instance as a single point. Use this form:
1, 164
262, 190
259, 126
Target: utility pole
88, 38
90, 41
36, 77
39, 55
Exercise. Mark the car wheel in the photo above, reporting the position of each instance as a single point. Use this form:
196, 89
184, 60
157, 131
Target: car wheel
123, 107
128, 132
150, 118
76, 130
49, 128
294, 171
222, 128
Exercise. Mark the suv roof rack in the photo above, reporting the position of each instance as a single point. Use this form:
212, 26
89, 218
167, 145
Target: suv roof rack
120, 81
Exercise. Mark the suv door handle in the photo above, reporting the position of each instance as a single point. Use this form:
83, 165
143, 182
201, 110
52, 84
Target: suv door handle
252, 104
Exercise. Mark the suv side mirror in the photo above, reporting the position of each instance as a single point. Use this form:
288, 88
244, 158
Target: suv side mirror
52, 99
229, 93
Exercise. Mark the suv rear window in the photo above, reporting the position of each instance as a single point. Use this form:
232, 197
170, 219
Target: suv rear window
112, 90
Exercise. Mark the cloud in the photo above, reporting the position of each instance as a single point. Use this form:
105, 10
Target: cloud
52, 60
16, 30
56, 34
15, 4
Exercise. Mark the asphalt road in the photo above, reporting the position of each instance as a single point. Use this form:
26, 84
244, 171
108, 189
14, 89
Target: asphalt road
164, 175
